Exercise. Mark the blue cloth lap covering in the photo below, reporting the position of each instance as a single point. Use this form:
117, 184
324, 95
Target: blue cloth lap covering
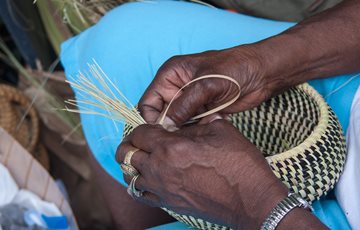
132, 41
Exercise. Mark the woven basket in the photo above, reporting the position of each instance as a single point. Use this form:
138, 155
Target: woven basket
300, 137
24, 129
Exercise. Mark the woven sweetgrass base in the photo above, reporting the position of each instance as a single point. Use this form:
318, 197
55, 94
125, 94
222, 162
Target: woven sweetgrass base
300, 137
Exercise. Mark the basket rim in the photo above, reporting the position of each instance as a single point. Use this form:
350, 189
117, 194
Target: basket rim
318, 131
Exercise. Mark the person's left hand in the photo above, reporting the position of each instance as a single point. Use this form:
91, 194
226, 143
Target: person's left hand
208, 171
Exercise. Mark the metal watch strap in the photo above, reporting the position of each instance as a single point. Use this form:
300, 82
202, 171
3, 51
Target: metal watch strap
281, 209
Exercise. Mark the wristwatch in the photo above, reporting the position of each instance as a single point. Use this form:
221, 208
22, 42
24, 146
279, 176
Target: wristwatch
292, 201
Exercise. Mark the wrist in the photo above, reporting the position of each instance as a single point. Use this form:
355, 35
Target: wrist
260, 202
285, 62
267, 200
273, 66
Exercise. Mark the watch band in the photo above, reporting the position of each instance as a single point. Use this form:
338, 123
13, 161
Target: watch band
281, 209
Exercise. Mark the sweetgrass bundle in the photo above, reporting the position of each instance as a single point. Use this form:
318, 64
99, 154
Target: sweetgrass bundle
113, 104
297, 132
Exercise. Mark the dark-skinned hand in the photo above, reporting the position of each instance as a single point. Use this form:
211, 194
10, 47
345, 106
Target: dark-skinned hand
209, 171
306, 51
241, 64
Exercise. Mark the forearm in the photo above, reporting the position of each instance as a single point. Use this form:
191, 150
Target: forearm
325, 45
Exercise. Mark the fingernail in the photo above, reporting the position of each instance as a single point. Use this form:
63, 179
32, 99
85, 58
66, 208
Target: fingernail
169, 124
217, 117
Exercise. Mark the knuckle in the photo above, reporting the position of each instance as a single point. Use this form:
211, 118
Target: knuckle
180, 146
172, 63
216, 86
143, 131
178, 59
174, 143
120, 151
180, 113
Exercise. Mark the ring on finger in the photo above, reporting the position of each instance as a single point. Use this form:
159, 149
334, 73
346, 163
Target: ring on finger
129, 155
132, 188
129, 170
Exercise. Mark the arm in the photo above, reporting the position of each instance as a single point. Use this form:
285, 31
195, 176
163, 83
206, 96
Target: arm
324, 45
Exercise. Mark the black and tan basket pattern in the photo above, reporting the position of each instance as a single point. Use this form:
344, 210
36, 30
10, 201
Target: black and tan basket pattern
301, 139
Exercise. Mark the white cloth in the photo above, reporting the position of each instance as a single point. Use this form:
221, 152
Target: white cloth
8, 187
10, 193
348, 188
29, 200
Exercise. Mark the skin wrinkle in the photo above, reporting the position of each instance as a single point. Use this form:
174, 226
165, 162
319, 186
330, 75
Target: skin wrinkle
219, 175
167, 172
322, 46
188, 194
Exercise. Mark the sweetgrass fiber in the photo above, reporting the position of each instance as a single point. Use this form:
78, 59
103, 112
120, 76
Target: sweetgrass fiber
113, 103
53, 102
108, 98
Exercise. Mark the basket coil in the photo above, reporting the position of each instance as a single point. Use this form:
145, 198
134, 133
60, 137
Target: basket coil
301, 139
26, 129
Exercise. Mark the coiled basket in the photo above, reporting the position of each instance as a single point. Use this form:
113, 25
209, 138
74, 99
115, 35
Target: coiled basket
301, 139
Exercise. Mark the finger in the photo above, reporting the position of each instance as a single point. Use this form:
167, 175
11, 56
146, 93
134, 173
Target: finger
150, 106
149, 199
140, 183
138, 159
211, 118
168, 80
205, 93
215, 128
149, 137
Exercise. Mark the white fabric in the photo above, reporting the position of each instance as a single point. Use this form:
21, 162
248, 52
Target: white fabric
29, 200
348, 188
8, 187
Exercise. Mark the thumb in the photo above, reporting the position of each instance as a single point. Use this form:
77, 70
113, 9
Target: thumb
196, 98
214, 129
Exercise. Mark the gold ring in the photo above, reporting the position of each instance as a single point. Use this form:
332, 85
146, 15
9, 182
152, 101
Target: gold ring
129, 155
132, 191
129, 170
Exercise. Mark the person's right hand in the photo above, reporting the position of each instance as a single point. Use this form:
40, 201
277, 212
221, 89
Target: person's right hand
241, 63
262, 69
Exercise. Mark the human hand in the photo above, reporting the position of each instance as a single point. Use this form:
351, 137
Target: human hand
208, 171
241, 63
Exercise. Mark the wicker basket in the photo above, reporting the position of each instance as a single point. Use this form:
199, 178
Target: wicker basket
29, 174
24, 129
300, 137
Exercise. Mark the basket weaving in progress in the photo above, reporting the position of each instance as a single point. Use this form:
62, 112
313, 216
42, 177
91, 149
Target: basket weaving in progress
297, 132
300, 137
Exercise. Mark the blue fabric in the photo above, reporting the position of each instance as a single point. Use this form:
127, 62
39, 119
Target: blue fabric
132, 41
327, 210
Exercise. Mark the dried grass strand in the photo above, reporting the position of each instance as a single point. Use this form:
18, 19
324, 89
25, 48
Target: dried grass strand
109, 98
118, 107
212, 111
